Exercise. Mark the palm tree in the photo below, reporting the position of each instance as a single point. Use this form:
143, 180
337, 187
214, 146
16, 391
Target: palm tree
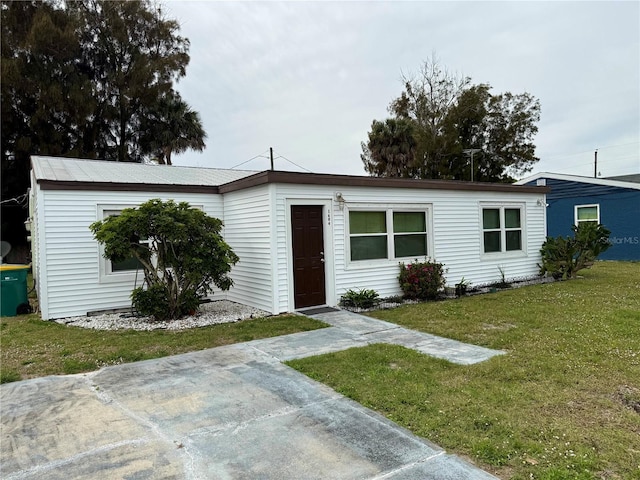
391, 149
172, 127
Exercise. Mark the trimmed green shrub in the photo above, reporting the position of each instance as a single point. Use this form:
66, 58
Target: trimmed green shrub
564, 257
181, 252
362, 298
422, 280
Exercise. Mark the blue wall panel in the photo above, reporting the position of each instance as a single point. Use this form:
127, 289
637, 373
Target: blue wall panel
619, 212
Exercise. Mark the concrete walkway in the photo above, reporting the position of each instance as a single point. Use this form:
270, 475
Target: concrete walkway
233, 412
354, 330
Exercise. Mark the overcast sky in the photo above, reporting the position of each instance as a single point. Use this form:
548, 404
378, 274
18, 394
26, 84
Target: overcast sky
308, 78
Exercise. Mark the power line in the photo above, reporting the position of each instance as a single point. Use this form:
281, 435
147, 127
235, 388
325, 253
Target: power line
263, 155
20, 200
602, 160
252, 158
619, 145
294, 163
591, 151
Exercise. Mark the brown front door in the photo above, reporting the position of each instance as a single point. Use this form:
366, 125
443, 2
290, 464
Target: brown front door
308, 255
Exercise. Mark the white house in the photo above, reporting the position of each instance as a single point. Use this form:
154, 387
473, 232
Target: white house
303, 239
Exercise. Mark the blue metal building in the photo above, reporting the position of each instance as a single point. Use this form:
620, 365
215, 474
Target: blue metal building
614, 202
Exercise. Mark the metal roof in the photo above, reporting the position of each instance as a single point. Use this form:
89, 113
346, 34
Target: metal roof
59, 169
633, 178
57, 173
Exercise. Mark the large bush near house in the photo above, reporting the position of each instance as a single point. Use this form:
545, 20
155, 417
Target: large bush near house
564, 257
421, 280
180, 250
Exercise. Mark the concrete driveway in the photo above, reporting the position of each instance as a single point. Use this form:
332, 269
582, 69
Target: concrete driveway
233, 412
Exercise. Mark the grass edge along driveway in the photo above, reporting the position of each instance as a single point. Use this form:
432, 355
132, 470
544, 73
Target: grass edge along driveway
31, 347
564, 403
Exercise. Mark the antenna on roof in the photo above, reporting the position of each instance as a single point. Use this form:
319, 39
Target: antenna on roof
271, 155
595, 164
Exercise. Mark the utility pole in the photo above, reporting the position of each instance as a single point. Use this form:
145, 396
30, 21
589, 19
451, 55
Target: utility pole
271, 155
595, 164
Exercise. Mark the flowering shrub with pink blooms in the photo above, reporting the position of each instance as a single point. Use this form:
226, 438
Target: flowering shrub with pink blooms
421, 280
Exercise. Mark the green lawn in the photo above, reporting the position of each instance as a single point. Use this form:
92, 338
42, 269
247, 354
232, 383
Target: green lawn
564, 403
30, 347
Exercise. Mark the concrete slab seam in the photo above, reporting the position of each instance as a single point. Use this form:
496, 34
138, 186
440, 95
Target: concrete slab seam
45, 467
265, 354
103, 396
235, 427
386, 422
372, 332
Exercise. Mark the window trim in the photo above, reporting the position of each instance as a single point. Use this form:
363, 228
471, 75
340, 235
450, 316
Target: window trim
389, 209
395, 234
576, 222
384, 234
107, 275
502, 206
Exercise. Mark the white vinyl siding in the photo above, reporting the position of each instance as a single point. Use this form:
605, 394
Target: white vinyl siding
458, 237
70, 282
248, 230
454, 239
38, 256
257, 226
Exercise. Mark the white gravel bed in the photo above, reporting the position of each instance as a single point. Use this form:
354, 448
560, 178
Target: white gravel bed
222, 311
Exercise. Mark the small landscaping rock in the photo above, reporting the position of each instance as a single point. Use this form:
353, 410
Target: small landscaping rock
222, 311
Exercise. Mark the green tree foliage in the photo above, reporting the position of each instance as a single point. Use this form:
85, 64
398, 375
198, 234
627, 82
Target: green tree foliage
448, 115
394, 140
564, 257
171, 126
88, 79
180, 249
133, 54
45, 97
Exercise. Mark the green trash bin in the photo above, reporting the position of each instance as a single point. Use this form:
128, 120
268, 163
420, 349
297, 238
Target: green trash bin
13, 289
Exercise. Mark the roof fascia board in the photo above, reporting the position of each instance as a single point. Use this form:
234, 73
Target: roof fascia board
127, 187
579, 179
270, 176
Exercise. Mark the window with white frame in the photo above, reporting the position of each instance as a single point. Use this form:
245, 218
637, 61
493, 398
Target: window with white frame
502, 228
387, 234
587, 213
